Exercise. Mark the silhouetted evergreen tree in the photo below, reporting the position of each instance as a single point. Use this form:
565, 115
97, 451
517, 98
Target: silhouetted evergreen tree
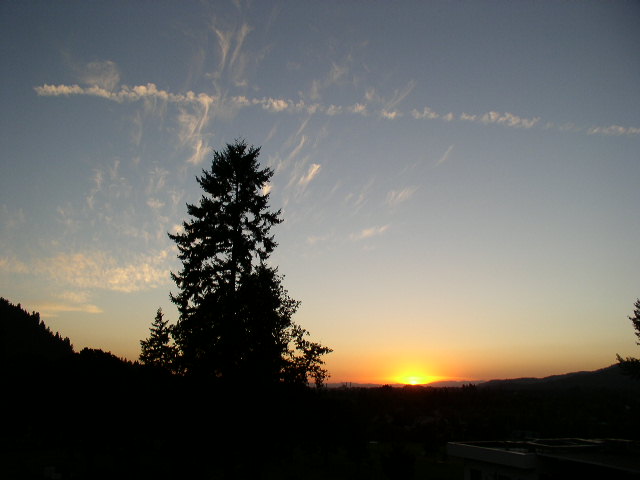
631, 365
158, 350
235, 316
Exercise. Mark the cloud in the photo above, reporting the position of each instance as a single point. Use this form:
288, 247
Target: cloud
396, 197
13, 265
52, 309
426, 113
390, 115
445, 156
266, 189
274, 104
127, 94
615, 130
368, 233
98, 270
72, 301
103, 74
359, 108
295, 152
155, 203
506, 119
157, 180
192, 123
337, 74
224, 44
232, 58
196, 109
74, 296
360, 199
314, 169
333, 110
399, 95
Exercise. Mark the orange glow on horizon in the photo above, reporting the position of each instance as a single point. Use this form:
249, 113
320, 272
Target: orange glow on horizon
413, 378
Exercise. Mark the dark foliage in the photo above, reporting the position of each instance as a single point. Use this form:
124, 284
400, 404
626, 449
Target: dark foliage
235, 317
158, 351
631, 365
98, 416
25, 338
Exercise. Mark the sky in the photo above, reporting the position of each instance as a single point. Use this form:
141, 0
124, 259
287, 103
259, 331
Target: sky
458, 179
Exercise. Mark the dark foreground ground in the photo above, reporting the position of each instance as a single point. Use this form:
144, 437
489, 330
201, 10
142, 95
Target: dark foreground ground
87, 423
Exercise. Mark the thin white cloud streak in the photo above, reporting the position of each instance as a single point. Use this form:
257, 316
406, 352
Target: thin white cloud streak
52, 309
314, 169
506, 119
125, 94
73, 301
399, 96
193, 123
396, 197
357, 201
445, 156
368, 233
614, 130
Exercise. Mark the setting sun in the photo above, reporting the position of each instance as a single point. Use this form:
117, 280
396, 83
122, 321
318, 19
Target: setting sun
416, 379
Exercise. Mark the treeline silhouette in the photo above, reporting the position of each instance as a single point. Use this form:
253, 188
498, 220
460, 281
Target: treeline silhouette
93, 415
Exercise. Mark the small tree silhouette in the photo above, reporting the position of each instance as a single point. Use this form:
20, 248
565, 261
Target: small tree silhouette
630, 365
158, 350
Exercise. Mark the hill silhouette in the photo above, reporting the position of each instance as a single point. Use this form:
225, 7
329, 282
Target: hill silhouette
609, 377
25, 336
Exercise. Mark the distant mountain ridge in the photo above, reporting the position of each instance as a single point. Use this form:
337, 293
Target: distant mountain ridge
608, 377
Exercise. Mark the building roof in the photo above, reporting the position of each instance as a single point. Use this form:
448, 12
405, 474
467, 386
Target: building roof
616, 454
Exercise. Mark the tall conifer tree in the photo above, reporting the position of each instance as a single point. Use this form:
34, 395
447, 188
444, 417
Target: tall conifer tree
235, 316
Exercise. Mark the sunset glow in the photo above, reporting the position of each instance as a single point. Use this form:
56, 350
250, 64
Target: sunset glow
416, 379
458, 203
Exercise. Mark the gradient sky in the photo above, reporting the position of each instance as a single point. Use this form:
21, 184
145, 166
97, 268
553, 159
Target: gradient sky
459, 179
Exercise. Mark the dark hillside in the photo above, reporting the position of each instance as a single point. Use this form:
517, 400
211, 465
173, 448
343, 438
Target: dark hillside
26, 338
609, 378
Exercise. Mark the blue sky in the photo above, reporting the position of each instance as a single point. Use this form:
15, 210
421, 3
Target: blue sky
458, 179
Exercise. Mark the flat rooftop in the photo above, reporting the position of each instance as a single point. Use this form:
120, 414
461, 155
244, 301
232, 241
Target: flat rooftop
617, 454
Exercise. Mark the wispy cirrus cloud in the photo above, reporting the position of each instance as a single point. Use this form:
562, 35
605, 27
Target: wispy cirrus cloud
445, 156
359, 199
369, 232
314, 169
103, 74
396, 197
233, 59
